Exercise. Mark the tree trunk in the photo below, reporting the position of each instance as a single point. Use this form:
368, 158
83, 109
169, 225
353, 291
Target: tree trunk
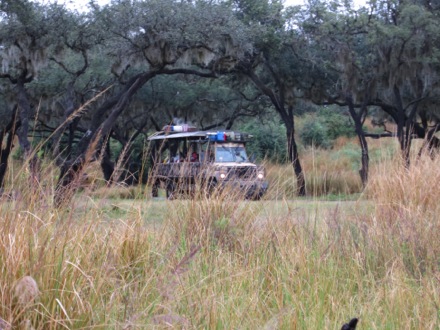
68, 182
70, 170
91, 141
431, 144
66, 122
24, 108
10, 130
403, 135
409, 131
292, 150
406, 151
365, 159
107, 166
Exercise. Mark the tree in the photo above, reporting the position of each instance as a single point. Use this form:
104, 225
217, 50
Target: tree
275, 68
405, 36
26, 35
8, 130
384, 57
145, 41
339, 48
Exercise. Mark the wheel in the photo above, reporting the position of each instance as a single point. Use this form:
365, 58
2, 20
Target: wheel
211, 187
155, 190
171, 191
256, 197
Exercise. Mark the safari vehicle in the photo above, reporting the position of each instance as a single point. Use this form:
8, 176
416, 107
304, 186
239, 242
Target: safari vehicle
184, 159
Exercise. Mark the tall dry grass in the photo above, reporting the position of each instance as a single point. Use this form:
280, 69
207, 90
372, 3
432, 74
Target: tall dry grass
225, 263
331, 172
407, 207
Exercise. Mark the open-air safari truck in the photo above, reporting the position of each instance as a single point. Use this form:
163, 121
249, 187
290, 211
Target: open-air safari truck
184, 159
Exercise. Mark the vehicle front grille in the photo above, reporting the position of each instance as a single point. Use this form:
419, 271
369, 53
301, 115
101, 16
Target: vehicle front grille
245, 173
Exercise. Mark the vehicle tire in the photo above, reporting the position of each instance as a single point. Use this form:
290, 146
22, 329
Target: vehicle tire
171, 191
256, 197
211, 187
155, 190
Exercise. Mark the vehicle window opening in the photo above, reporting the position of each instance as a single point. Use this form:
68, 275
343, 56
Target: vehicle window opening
230, 154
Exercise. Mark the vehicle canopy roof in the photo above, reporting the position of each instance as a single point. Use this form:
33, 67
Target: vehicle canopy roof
166, 135
213, 136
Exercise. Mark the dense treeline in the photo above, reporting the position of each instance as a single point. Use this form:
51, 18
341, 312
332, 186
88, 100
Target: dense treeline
79, 81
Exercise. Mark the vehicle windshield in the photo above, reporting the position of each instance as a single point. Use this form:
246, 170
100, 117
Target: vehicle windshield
230, 154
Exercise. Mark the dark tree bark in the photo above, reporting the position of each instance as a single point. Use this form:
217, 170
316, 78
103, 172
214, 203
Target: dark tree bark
68, 121
91, 143
10, 131
107, 166
68, 183
24, 111
358, 122
431, 145
405, 126
293, 156
24, 107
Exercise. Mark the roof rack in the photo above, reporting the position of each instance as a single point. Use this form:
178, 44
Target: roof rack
213, 136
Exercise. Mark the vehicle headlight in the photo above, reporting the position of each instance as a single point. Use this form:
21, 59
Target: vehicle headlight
223, 172
260, 175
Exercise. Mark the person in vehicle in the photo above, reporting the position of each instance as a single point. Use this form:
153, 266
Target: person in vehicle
178, 158
194, 157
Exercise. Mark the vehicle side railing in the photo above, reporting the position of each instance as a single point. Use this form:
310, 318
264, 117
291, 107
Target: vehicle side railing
178, 170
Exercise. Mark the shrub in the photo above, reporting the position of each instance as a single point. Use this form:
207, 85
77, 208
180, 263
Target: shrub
314, 133
321, 129
269, 140
336, 123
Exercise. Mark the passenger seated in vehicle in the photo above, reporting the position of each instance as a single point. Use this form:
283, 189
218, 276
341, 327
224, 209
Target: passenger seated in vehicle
178, 158
194, 157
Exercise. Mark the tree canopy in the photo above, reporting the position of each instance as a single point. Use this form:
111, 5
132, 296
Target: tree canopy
119, 71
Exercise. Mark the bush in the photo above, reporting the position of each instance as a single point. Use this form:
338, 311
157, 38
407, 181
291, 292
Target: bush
314, 133
337, 123
324, 127
269, 140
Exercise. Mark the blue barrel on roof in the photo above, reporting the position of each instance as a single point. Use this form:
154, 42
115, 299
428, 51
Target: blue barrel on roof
221, 136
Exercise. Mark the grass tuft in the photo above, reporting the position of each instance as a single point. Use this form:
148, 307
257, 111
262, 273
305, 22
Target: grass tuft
107, 261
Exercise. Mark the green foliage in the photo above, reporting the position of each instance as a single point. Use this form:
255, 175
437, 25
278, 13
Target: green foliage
115, 148
201, 102
269, 140
29, 35
321, 129
337, 123
314, 133
321, 53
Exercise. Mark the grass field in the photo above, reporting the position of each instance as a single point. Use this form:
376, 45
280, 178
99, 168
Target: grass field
116, 259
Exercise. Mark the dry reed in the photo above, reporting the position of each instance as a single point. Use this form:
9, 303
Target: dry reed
225, 262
